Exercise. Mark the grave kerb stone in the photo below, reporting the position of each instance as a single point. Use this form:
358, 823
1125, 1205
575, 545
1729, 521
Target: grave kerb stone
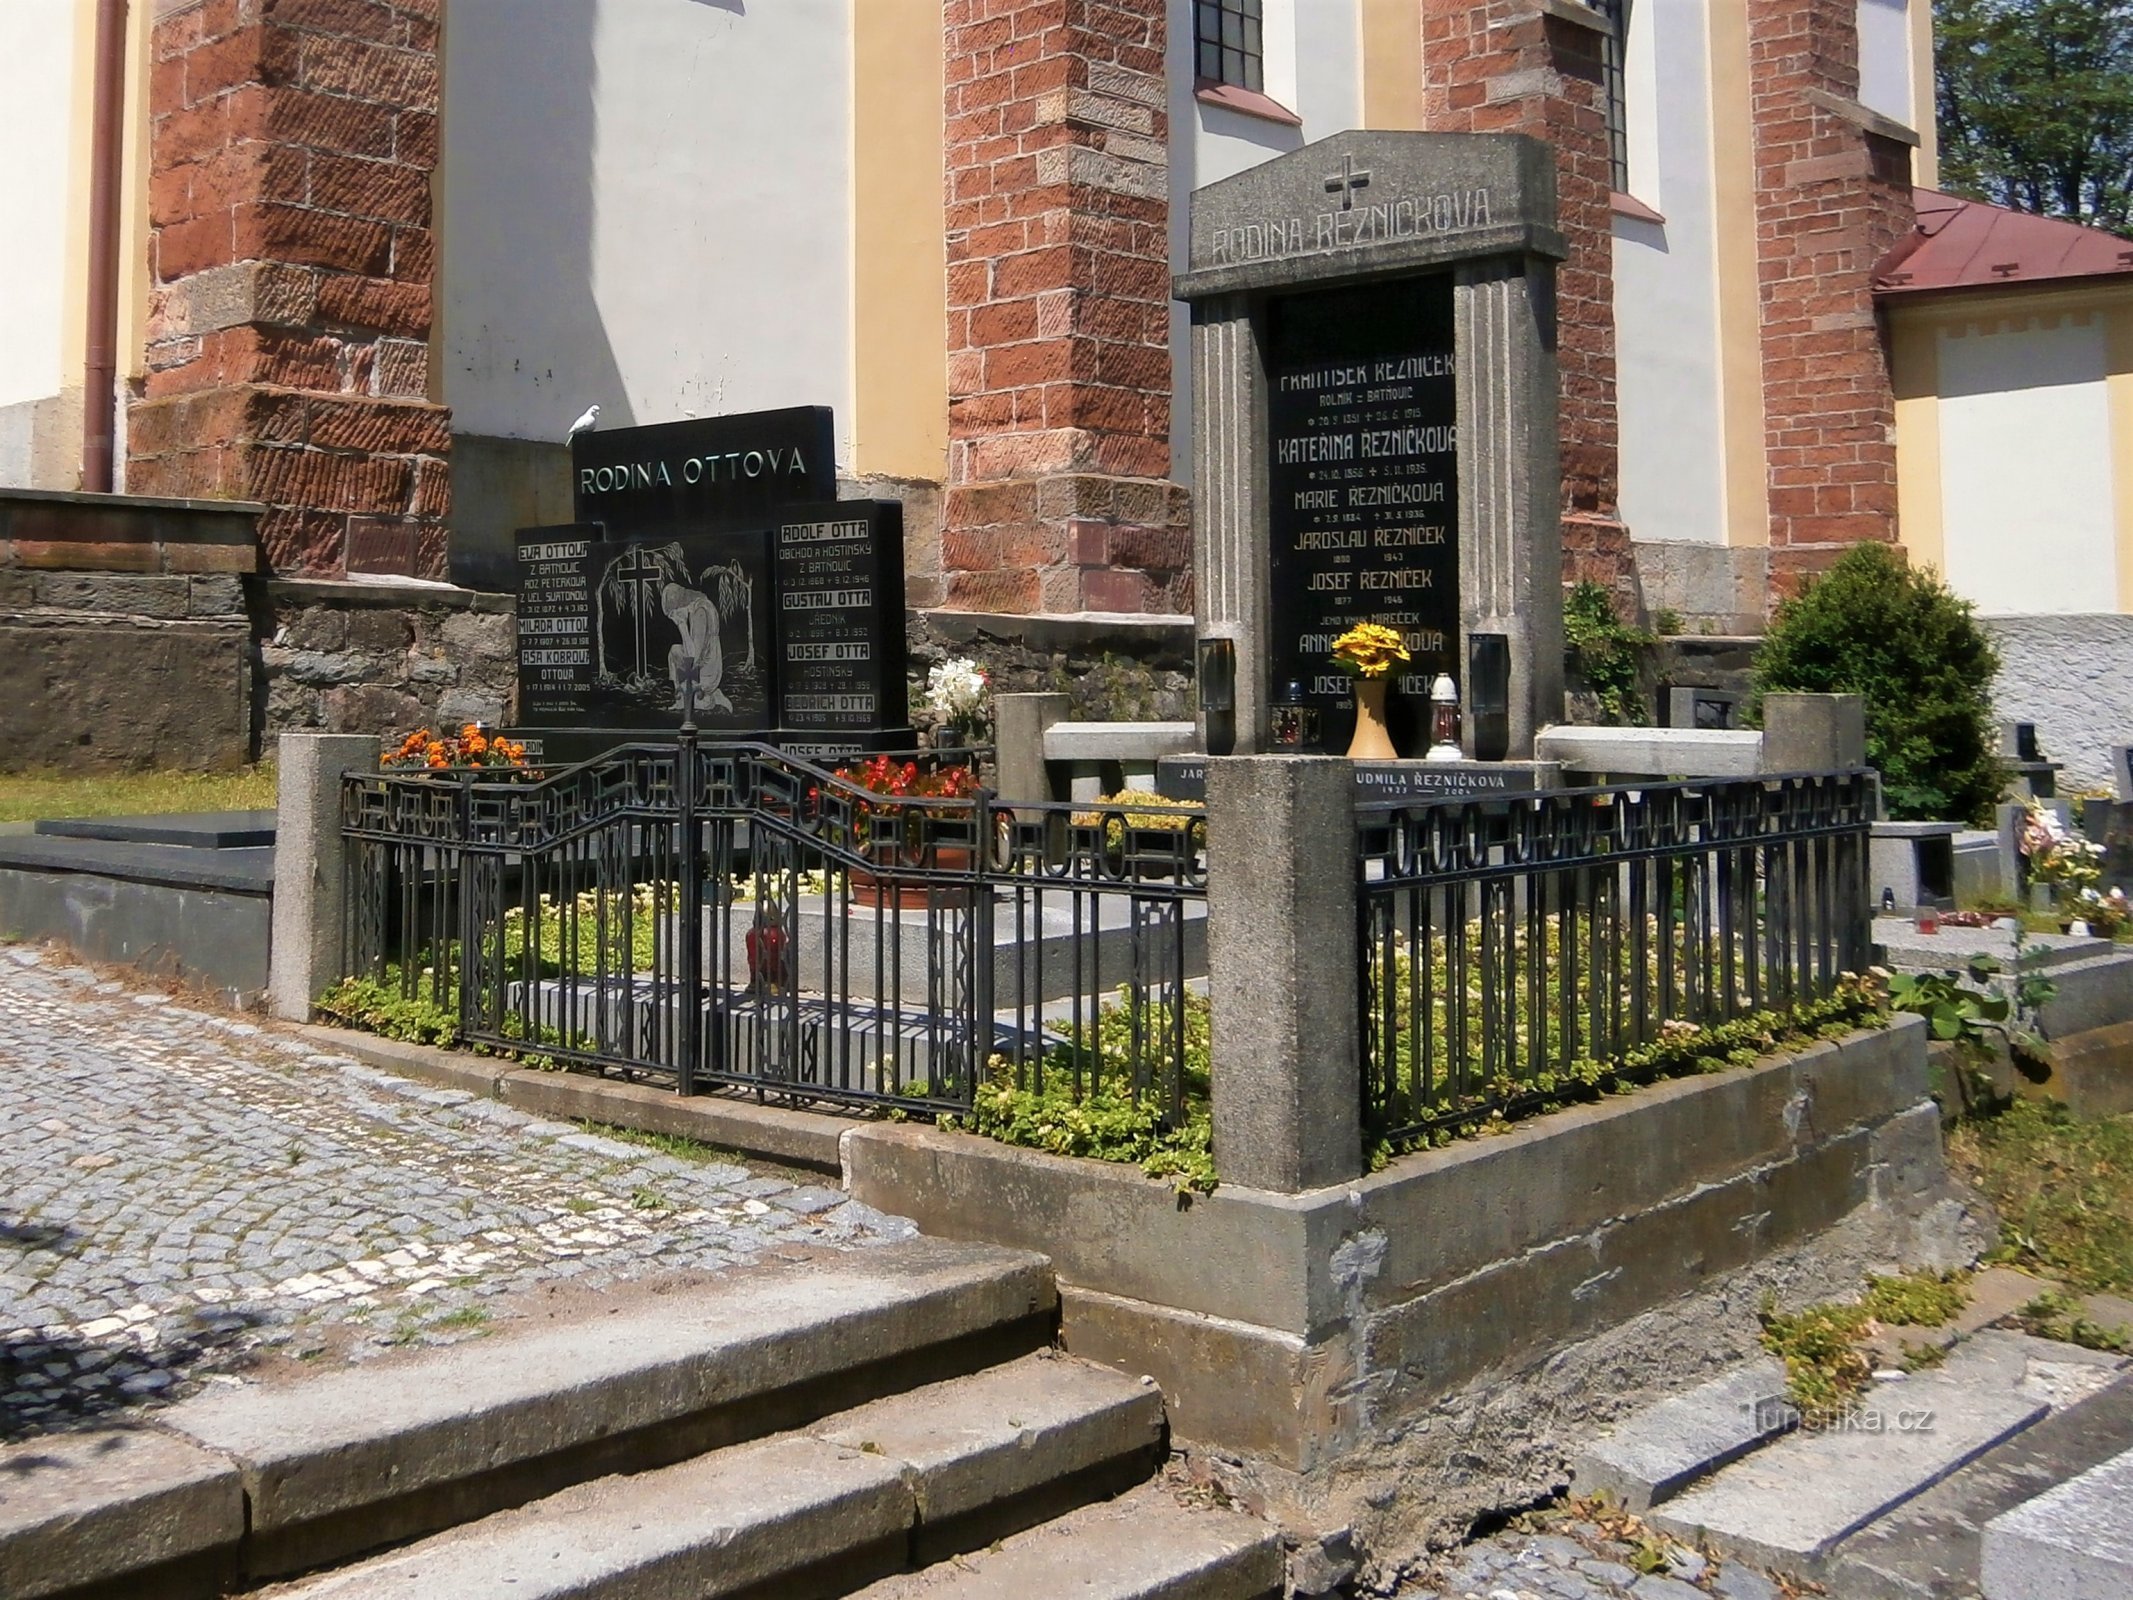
1479, 206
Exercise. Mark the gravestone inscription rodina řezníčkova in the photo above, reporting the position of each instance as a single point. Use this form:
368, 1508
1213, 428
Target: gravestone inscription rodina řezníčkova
1374, 422
719, 542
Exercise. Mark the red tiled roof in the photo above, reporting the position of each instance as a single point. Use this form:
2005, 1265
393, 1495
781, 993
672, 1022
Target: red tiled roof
1966, 244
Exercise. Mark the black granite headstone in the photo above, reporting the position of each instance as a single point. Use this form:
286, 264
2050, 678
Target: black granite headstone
605, 624
840, 616
1363, 467
704, 474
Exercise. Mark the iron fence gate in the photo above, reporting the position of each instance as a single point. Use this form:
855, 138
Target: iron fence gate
725, 915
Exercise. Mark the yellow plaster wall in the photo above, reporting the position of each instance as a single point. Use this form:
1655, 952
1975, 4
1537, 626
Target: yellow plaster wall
1392, 63
1740, 338
899, 243
1916, 374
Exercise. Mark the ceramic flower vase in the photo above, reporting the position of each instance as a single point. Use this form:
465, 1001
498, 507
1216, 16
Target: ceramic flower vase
1372, 741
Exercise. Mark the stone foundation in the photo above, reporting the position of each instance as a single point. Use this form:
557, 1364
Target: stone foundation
1305, 1330
1114, 669
384, 659
124, 641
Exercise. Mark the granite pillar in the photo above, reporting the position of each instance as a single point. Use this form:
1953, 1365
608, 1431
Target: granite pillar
1281, 963
310, 879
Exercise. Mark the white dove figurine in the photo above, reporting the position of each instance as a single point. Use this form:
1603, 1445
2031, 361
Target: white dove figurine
586, 423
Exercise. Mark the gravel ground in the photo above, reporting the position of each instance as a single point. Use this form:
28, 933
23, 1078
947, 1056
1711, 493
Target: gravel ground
185, 1194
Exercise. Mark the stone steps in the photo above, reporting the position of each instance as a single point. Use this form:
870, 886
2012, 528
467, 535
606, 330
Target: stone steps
253, 1483
1930, 1547
915, 1477
1792, 1503
1142, 1546
2074, 1542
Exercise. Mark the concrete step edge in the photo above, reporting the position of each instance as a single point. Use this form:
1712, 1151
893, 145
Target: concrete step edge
837, 1503
1143, 1545
1662, 1450
1789, 1505
268, 1481
1933, 1541
2071, 1541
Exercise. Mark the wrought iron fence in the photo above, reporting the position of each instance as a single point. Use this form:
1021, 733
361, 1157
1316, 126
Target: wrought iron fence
724, 915
1505, 941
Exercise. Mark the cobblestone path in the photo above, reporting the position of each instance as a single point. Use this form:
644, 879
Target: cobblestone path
182, 1192
1557, 1555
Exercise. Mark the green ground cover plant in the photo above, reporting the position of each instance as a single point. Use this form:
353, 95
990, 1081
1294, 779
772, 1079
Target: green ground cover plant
2056, 1314
1874, 627
34, 796
1823, 1346
2063, 1187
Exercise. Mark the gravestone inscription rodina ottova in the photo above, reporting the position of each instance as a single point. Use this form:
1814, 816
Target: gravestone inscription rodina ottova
1374, 421
694, 539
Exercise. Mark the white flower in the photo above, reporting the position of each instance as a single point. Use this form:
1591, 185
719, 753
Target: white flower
956, 689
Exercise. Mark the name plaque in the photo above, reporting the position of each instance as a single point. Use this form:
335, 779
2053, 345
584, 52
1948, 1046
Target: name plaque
840, 588
1363, 470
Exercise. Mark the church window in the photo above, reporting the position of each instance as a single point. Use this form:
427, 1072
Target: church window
1614, 52
1227, 37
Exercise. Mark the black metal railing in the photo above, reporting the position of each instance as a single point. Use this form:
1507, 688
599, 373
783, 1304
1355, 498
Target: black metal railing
1507, 942
724, 915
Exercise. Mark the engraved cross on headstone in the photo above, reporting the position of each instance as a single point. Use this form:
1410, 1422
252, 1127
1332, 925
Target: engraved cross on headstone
1346, 181
687, 675
637, 575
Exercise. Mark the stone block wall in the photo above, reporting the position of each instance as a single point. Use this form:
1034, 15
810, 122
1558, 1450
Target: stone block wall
358, 658
291, 151
1112, 672
124, 639
1058, 173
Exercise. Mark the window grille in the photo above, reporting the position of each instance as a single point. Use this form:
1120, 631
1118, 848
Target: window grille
1226, 36
1614, 51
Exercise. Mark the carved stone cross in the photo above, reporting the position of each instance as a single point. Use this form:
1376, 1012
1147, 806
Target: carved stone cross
1346, 181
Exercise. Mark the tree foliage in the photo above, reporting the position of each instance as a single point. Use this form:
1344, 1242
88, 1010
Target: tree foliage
2035, 101
1873, 627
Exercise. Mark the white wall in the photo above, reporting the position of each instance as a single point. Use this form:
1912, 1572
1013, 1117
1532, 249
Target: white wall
1885, 61
1313, 67
37, 114
1666, 286
2025, 450
647, 203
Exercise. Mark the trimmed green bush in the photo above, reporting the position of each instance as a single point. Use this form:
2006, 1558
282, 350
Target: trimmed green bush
1873, 627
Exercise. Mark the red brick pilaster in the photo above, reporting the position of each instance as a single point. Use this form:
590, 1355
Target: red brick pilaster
1059, 310
292, 264
1527, 66
1833, 196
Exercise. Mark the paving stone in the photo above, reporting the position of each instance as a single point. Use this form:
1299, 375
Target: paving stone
251, 1172
1654, 1587
1738, 1582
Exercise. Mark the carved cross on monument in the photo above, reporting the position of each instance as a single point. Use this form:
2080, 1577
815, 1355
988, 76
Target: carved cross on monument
637, 574
687, 675
1346, 181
